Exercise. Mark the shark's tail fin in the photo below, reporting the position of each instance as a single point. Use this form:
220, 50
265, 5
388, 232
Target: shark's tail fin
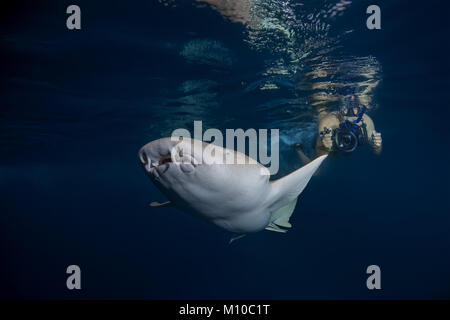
287, 189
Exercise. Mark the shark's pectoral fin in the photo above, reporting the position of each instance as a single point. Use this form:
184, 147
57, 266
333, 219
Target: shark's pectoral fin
273, 227
158, 204
236, 237
281, 216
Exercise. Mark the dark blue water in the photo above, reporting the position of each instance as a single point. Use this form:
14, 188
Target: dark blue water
76, 106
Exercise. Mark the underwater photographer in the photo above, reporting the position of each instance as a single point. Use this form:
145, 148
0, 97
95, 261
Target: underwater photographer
345, 131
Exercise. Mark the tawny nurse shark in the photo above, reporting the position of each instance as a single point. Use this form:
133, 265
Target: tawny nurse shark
238, 197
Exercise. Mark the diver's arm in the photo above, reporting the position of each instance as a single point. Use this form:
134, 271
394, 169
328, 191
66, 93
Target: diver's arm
323, 142
330, 121
320, 148
373, 136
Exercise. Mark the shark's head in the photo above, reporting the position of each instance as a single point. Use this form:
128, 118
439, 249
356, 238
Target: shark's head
167, 158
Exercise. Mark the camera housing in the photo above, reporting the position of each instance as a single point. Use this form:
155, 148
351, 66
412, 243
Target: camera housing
345, 140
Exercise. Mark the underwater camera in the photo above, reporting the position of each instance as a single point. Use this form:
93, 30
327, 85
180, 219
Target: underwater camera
349, 135
345, 139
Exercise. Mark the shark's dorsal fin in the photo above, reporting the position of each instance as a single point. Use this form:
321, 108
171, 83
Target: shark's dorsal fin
289, 187
158, 204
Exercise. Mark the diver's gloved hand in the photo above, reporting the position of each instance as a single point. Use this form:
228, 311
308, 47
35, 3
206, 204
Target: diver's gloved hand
376, 139
327, 140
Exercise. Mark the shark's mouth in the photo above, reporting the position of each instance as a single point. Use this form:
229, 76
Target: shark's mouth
159, 165
158, 159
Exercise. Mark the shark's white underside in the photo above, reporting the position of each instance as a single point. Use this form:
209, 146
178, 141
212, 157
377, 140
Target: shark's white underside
239, 198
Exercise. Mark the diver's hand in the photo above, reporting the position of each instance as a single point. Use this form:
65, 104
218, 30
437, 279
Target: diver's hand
327, 140
376, 141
